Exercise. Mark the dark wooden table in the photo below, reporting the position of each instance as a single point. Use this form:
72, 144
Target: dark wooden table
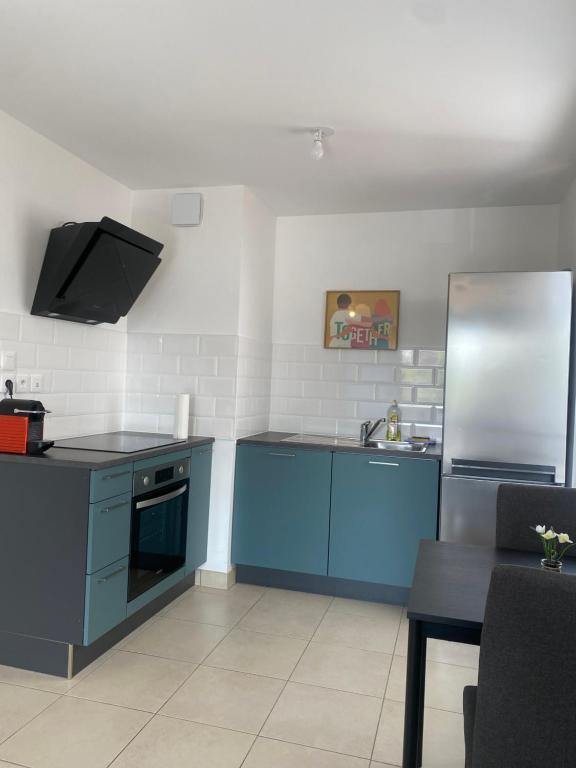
447, 602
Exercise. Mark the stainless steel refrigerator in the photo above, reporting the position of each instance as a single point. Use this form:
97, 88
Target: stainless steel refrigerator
506, 407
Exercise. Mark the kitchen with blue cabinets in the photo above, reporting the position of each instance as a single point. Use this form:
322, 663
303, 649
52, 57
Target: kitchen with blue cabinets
338, 518
100, 540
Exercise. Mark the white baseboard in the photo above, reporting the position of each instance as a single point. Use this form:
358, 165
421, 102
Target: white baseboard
216, 579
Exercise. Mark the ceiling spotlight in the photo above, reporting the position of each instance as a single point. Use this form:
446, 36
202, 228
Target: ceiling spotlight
319, 135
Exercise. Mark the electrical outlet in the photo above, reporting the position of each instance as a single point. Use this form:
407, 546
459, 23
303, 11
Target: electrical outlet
4, 376
36, 382
8, 361
23, 382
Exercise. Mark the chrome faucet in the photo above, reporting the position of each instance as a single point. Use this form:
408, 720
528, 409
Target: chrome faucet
368, 428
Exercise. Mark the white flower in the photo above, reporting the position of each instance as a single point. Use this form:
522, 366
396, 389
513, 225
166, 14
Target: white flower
540, 529
564, 538
550, 534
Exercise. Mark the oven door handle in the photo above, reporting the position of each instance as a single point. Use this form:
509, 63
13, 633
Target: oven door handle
161, 499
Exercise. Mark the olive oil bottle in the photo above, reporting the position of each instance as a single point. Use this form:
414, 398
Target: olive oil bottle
393, 419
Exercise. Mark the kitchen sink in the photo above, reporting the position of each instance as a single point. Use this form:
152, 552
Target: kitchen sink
352, 442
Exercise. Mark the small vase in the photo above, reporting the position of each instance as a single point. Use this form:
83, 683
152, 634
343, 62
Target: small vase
551, 565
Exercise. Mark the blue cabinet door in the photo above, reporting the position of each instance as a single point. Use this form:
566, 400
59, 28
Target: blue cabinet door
198, 507
381, 507
108, 532
282, 508
106, 596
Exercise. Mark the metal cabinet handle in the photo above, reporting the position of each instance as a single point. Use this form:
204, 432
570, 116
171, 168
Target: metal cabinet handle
104, 579
159, 499
114, 506
201, 453
288, 455
385, 463
117, 474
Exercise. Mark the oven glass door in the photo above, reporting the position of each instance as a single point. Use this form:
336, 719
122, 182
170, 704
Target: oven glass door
158, 537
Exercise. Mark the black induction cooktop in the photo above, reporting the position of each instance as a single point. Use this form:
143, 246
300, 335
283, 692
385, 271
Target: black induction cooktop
118, 442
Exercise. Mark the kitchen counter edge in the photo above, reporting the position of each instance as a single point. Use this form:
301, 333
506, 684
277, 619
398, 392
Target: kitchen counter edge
434, 452
78, 459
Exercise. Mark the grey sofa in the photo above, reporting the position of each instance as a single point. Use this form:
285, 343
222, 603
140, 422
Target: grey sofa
522, 714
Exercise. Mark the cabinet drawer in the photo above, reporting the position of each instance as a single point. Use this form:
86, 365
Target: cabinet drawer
108, 532
113, 481
106, 596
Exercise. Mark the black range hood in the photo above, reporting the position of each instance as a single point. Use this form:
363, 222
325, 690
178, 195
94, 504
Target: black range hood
94, 272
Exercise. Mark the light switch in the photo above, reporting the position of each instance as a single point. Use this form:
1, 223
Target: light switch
36, 382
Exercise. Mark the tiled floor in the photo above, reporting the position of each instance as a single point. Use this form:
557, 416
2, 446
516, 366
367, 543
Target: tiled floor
251, 677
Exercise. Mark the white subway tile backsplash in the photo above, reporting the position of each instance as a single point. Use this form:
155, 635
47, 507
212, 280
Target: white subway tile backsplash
289, 353
226, 407
321, 355
413, 413
174, 384
381, 374
339, 372
428, 430
25, 353
430, 395
83, 359
80, 403
389, 392
338, 409
225, 346
415, 376
285, 423
93, 382
287, 388
180, 344
303, 406
68, 334
357, 391
160, 404
159, 363
439, 377
149, 343
319, 425
213, 427
398, 356
362, 356
52, 356
67, 381
115, 381
198, 366
372, 410
39, 330
144, 383
95, 338
320, 389
431, 357
216, 386
227, 366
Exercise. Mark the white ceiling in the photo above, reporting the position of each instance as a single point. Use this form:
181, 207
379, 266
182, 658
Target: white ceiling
436, 103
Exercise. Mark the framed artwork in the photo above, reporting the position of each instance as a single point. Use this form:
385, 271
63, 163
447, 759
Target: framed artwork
361, 319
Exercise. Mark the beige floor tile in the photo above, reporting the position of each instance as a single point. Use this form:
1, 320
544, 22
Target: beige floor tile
366, 608
461, 654
72, 733
347, 669
325, 719
20, 705
444, 683
142, 628
294, 614
381, 765
359, 631
134, 680
267, 753
42, 682
223, 609
259, 654
169, 743
443, 737
224, 698
175, 639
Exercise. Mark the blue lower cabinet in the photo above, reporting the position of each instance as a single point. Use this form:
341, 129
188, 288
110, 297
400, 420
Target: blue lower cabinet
113, 481
108, 532
198, 507
106, 596
282, 508
381, 507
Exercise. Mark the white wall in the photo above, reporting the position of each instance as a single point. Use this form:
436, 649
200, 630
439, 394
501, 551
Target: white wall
567, 245
83, 368
203, 327
409, 251
318, 390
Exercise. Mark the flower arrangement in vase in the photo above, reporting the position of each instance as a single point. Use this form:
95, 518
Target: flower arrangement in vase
555, 547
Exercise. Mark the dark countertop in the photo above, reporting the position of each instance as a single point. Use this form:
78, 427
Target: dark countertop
434, 452
78, 459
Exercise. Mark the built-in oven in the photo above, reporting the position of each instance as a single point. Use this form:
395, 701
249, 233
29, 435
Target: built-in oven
159, 524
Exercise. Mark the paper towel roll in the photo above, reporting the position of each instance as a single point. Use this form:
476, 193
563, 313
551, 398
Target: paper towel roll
181, 417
